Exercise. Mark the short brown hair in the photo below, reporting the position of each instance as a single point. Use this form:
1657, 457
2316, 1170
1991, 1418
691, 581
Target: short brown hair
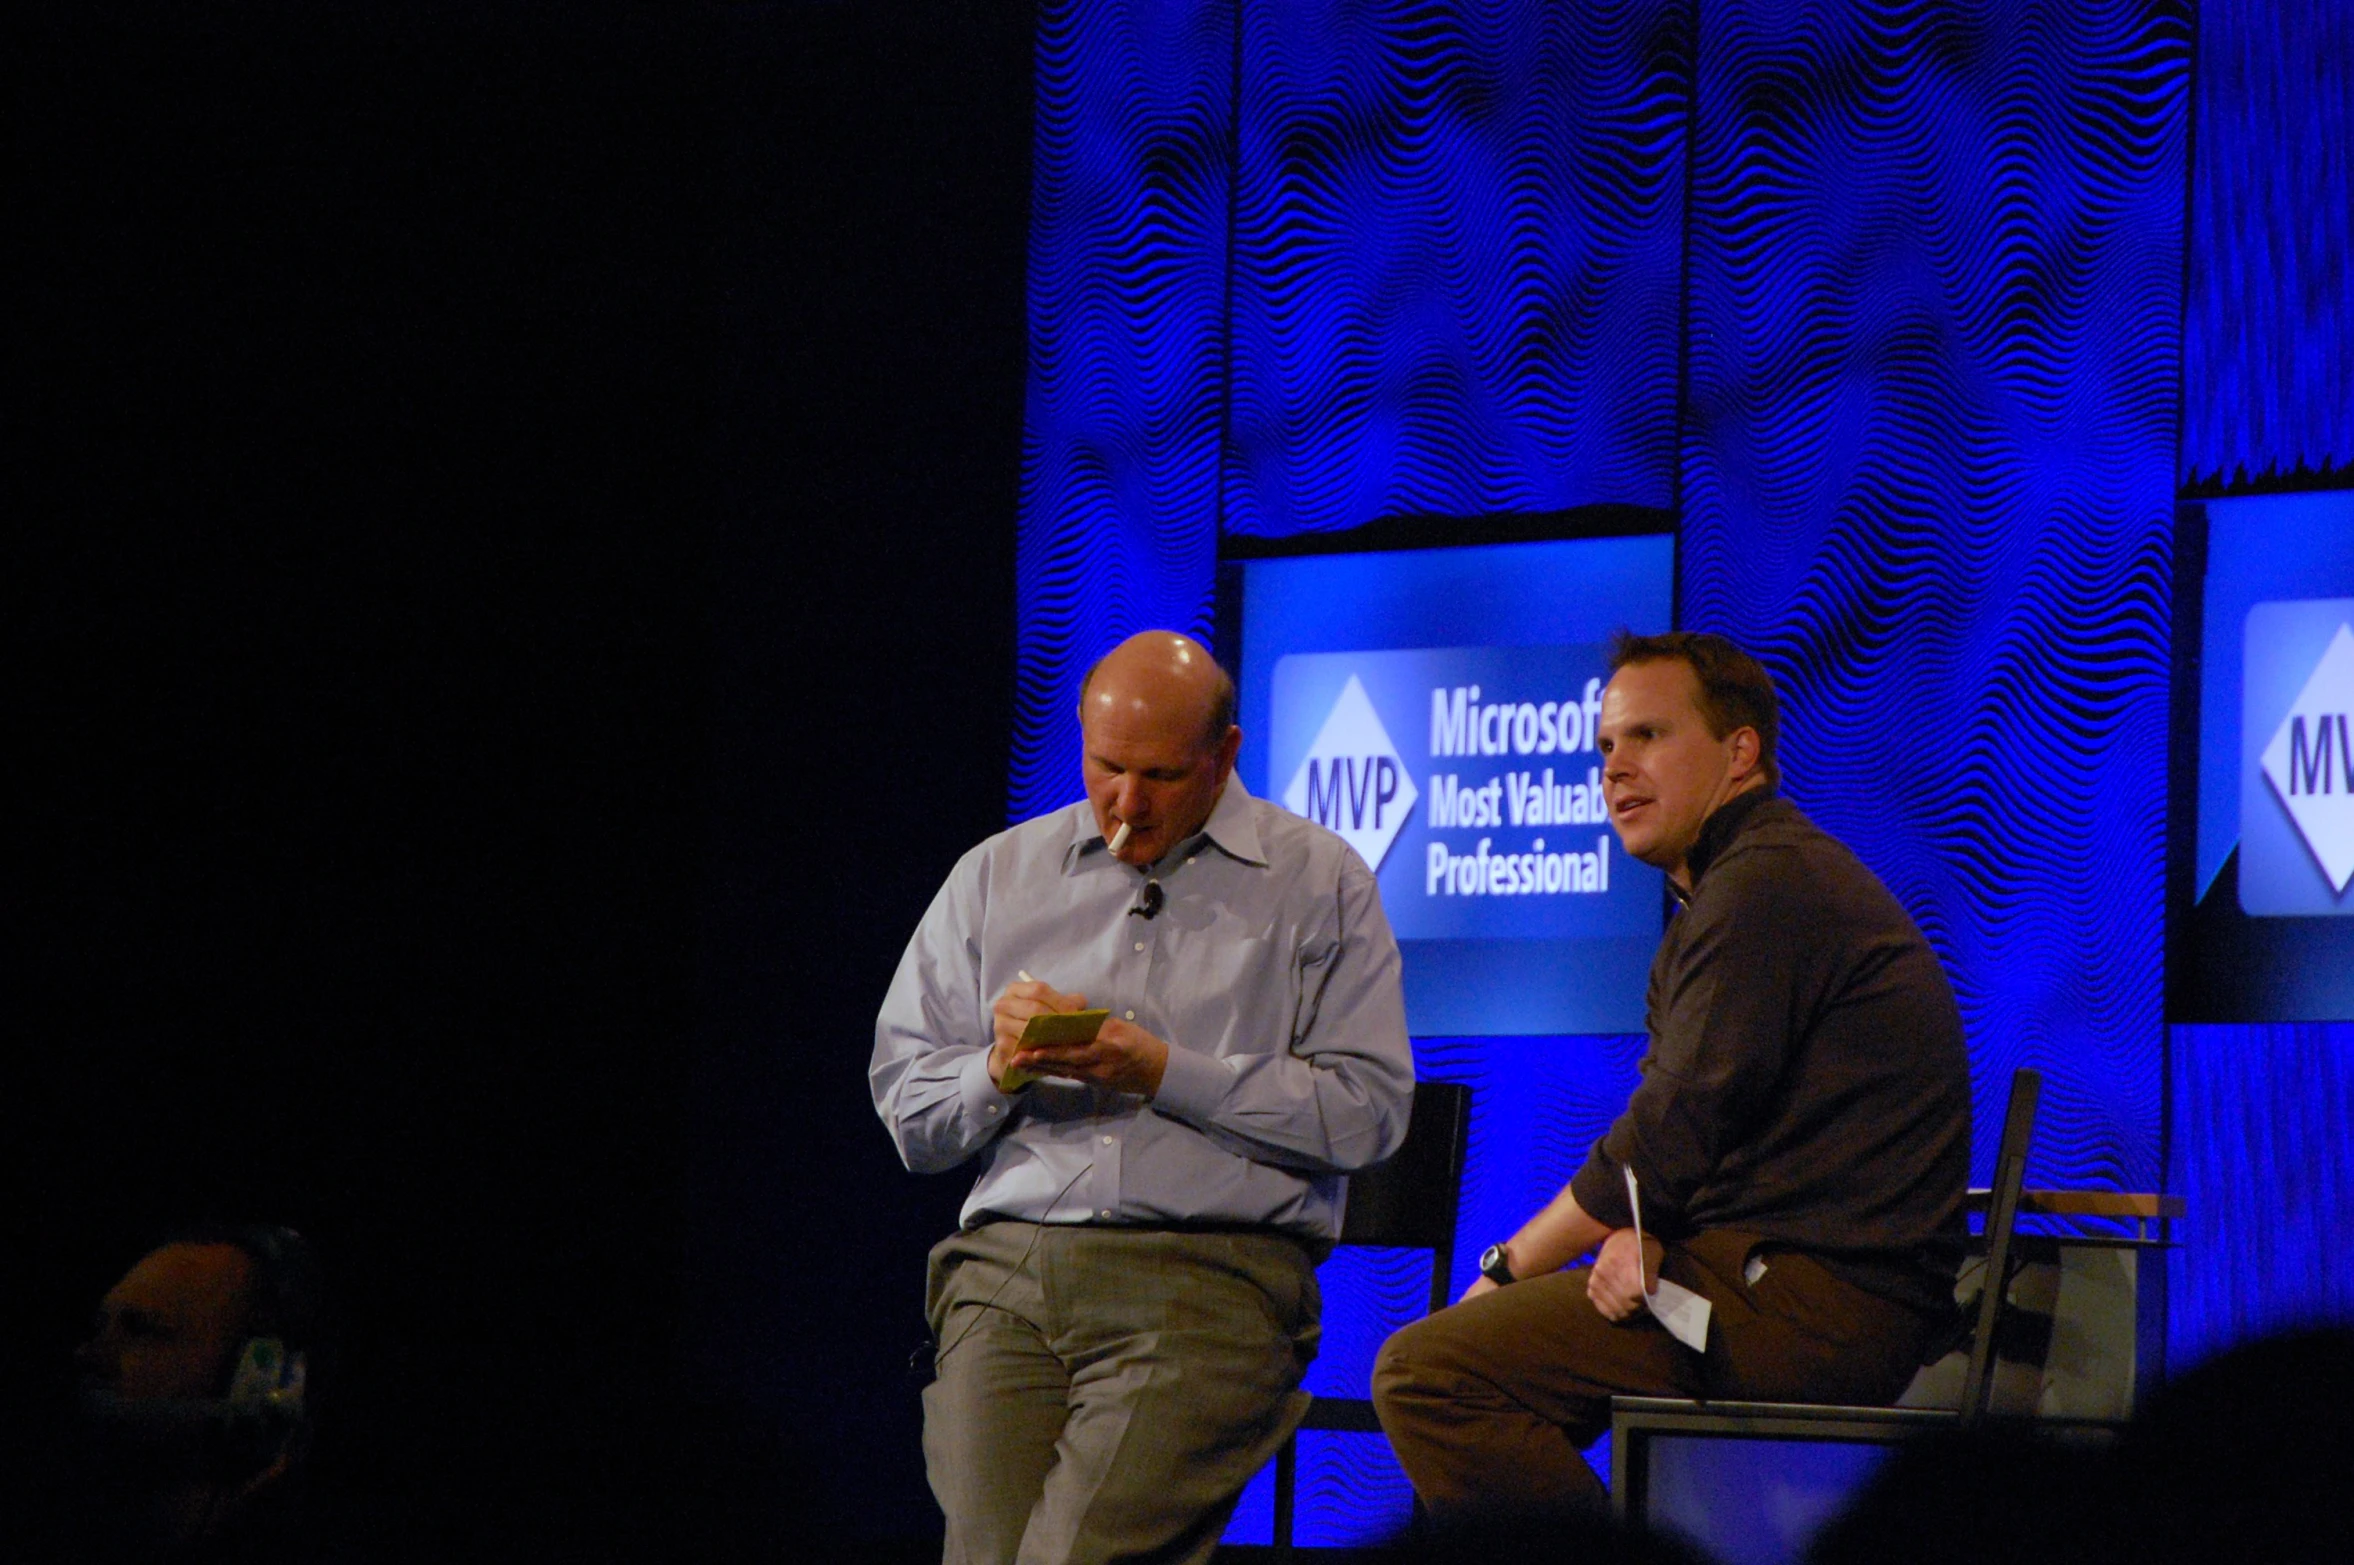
1735, 689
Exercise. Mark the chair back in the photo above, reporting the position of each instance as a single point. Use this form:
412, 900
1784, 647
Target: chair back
2002, 1215
1409, 1201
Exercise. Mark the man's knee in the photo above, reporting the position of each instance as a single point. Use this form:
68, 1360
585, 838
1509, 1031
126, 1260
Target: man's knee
1400, 1358
1419, 1362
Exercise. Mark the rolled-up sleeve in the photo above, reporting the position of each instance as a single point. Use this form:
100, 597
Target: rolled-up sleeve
930, 1071
1336, 1094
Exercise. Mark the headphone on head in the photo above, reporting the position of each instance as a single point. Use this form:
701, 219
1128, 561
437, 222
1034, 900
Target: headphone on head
265, 1407
262, 1406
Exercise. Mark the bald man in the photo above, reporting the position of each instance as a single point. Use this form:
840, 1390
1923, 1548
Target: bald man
1125, 1312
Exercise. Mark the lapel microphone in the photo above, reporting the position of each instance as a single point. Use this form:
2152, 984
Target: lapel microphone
1149, 905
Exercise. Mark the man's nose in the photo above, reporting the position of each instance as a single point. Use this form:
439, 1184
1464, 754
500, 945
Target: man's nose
1128, 798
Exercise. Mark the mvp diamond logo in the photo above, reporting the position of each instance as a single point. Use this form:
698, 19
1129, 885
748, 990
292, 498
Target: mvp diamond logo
1352, 780
2310, 762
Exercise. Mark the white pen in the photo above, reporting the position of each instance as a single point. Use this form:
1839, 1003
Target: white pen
1013, 1077
1635, 1212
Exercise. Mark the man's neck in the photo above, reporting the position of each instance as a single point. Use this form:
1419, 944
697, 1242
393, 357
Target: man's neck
1684, 872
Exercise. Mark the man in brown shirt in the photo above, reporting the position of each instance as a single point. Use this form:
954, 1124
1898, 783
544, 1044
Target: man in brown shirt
1800, 1138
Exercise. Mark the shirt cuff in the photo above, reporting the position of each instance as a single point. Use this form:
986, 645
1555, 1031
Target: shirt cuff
1192, 1085
1601, 1191
984, 1105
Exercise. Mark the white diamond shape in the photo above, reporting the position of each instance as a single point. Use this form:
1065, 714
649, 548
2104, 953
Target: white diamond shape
1342, 779
2310, 762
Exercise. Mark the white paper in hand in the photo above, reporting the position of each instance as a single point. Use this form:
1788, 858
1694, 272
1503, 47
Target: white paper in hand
1683, 1312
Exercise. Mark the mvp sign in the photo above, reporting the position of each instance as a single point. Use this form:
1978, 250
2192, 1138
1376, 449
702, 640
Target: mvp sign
1352, 779
1467, 778
2297, 797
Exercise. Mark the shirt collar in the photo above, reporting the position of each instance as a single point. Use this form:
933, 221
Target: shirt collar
1233, 827
1716, 833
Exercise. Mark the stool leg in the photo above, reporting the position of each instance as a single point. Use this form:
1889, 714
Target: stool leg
1286, 1493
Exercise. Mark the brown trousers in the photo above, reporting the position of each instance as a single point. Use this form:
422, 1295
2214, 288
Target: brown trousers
1488, 1404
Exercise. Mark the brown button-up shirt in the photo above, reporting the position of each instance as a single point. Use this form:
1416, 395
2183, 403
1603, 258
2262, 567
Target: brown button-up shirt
1806, 1079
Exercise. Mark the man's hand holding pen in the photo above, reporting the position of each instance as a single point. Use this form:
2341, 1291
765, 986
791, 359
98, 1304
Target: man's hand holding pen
1122, 1055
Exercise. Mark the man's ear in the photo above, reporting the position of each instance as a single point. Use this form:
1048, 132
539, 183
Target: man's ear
1747, 749
1228, 748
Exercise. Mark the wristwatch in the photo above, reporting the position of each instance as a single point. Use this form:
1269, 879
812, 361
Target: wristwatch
1496, 1266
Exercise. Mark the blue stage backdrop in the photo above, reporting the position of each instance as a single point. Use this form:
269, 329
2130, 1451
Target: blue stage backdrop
1936, 276
1889, 302
2268, 358
2258, 1116
1133, 175
1457, 248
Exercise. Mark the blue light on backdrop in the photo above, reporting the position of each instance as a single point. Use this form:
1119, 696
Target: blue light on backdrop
1893, 305
1457, 252
2259, 1143
2268, 358
2257, 1125
1132, 177
1936, 280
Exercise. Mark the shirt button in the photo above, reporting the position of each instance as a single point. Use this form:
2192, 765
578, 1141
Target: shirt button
1131, 1016
1107, 1141
993, 1108
1106, 1212
1139, 945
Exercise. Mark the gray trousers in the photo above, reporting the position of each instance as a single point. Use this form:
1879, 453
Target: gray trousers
1108, 1398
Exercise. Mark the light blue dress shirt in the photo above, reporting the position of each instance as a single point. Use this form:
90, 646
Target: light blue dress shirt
1270, 972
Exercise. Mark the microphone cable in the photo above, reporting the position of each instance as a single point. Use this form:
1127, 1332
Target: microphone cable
990, 1303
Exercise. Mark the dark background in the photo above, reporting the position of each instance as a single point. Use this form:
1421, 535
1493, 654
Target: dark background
513, 514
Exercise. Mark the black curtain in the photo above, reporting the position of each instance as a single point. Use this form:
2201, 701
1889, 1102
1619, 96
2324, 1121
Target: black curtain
514, 618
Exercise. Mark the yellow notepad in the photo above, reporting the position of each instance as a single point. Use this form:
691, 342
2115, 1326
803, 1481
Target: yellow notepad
1051, 1029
